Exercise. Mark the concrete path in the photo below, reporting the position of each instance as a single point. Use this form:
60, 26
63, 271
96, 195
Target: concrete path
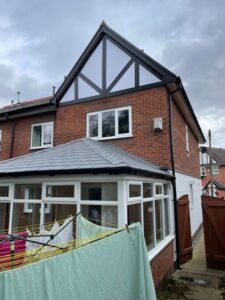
202, 283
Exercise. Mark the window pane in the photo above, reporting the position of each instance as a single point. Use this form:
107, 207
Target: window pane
108, 123
146, 77
36, 136
101, 215
47, 134
60, 191
134, 213
158, 189
126, 81
116, 60
26, 220
70, 94
134, 190
93, 125
166, 216
4, 191
93, 67
123, 121
58, 212
98, 191
27, 191
148, 224
166, 189
85, 90
158, 220
4, 216
147, 190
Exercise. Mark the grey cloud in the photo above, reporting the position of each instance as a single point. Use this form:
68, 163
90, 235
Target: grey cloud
187, 36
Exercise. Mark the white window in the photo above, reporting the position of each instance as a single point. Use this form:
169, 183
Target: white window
108, 124
215, 170
203, 171
148, 203
187, 138
42, 135
191, 195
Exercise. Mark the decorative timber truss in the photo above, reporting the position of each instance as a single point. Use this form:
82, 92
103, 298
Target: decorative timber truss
109, 66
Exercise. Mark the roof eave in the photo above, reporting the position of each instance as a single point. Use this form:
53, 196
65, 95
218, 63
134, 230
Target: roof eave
111, 171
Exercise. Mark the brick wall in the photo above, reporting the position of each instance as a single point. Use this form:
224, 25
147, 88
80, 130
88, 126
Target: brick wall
219, 177
184, 161
162, 264
146, 105
70, 124
22, 134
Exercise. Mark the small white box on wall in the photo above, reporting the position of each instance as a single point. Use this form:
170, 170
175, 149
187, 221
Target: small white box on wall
157, 124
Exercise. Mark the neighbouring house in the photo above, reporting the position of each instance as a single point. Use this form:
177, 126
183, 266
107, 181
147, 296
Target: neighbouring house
218, 171
118, 141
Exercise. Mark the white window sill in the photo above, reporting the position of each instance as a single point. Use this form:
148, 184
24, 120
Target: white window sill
42, 147
111, 137
160, 247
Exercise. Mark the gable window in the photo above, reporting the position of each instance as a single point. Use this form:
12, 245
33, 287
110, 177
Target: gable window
42, 135
113, 123
203, 171
215, 170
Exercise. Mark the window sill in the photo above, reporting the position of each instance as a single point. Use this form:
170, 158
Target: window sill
159, 247
39, 148
112, 137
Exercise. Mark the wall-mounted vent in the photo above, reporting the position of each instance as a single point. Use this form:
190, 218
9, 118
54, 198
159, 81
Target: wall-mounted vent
157, 124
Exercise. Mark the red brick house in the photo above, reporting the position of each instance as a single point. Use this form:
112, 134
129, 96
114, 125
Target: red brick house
120, 142
218, 172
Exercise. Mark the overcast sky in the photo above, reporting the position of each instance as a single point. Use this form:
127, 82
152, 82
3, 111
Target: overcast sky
41, 40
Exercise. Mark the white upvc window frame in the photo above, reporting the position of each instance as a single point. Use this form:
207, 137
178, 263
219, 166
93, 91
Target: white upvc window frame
56, 200
203, 171
215, 170
161, 197
42, 135
9, 193
117, 134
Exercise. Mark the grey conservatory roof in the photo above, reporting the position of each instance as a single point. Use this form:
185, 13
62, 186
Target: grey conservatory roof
80, 156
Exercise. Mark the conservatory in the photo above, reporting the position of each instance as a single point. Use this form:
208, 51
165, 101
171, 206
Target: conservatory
109, 190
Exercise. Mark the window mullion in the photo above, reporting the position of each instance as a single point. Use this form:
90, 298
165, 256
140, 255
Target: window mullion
100, 125
116, 123
42, 135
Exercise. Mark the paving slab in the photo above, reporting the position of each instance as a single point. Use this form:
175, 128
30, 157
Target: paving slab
194, 279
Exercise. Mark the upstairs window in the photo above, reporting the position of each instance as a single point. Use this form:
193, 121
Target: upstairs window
203, 171
42, 135
113, 123
215, 170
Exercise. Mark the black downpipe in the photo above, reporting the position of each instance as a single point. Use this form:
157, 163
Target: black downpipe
173, 181
12, 138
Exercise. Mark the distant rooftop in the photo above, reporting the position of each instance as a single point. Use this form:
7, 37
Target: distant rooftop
218, 154
80, 156
25, 104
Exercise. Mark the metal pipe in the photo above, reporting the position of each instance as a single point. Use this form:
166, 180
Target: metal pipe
173, 181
